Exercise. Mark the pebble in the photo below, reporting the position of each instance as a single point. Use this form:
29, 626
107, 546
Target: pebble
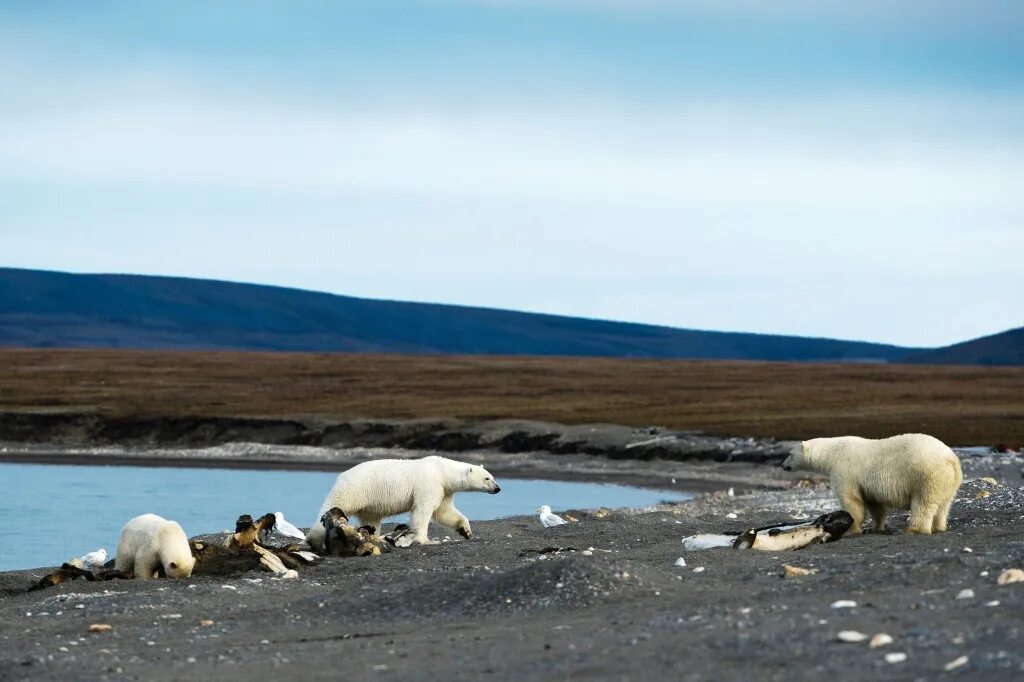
851, 636
229, 587
100, 627
699, 569
1010, 575
206, 622
844, 604
989, 480
966, 550
895, 657
731, 515
956, 663
681, 562
994, 602
587, 552
880, 640
965, 594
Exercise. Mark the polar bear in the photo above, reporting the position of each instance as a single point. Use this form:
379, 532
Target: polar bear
913, 471
380, 488
152, 546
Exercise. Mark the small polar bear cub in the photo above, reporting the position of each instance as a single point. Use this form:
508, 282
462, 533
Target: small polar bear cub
913, 471
152, 546
375, 490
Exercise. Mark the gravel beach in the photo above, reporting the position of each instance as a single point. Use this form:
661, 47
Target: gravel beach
522, 602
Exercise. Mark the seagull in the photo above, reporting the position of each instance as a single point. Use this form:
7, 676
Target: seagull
548, 519
285, 528
94, 559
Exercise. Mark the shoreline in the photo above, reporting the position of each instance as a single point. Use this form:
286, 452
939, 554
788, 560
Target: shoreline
519, 602
543, 466
77, 429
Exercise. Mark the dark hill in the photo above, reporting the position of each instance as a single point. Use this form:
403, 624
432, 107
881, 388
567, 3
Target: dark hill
1004, 348
53, 309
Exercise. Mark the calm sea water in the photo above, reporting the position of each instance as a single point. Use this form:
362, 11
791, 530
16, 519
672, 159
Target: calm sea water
50, 513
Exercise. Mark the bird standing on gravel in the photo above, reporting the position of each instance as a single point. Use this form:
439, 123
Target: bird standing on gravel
94, 560
285, 528
548, 518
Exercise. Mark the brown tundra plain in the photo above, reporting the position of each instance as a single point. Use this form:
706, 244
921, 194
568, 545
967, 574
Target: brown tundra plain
962, 405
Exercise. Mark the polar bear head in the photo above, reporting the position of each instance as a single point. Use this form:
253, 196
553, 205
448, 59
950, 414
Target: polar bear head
175, 553
478, 479
797, 458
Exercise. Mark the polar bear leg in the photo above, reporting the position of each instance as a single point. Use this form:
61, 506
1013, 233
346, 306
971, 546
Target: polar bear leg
145, 565
447, 515
878, 513
419, 520
922, 515
854, 506
316, 537
939, 522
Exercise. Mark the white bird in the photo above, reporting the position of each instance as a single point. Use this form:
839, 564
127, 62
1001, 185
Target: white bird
285, 528
94, 559
548, 519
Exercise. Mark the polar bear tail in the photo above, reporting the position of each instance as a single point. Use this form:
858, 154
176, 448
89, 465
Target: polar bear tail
958, 475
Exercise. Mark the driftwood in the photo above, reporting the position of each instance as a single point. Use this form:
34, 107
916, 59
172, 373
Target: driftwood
246, 549
342, 539
68, 572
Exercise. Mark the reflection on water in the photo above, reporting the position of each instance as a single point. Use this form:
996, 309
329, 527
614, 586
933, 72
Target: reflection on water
50, 513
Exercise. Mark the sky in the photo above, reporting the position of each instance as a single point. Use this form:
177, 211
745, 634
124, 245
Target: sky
819, 168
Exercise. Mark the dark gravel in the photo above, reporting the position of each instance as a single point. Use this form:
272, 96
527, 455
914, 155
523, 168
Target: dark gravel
506, 605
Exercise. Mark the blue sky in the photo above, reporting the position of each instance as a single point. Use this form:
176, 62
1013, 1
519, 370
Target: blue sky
817, 168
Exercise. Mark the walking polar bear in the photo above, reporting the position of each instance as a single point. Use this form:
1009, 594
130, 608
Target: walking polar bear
913, 471
381, 488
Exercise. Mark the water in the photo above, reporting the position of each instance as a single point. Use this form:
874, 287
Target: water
50, 513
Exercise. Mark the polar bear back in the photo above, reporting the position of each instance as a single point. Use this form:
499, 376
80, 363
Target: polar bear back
386, 487
890, 470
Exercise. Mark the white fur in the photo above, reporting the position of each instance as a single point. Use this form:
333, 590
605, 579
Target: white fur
150, 541
913, 471
375, 490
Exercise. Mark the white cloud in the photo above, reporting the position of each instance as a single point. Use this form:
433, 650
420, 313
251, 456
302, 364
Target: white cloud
760, 154
868, 216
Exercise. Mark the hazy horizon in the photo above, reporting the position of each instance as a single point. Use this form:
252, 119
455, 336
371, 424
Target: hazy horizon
814, 169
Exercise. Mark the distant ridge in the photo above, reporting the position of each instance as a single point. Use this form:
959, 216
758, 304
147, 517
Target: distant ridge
40, 309
1004, 348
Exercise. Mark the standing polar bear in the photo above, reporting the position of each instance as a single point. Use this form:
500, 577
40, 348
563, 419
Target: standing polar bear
152, 546
913, 471
385, 487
